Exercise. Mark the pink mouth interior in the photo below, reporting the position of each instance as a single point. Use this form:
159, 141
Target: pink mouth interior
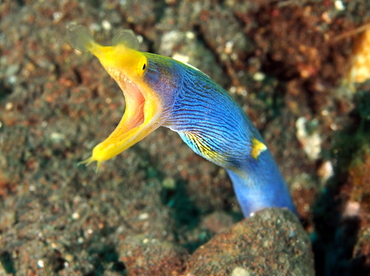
135, 102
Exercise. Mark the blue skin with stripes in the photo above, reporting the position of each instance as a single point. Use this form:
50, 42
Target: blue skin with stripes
214, 126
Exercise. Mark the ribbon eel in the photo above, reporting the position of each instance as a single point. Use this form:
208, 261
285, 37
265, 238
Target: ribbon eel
160, 91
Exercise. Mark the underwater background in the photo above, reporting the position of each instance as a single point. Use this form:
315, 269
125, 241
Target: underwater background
299, 69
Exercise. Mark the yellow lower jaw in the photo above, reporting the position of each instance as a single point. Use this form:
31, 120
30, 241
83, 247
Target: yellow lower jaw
124, 136
116, 143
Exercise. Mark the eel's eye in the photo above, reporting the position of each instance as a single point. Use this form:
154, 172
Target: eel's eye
142, 66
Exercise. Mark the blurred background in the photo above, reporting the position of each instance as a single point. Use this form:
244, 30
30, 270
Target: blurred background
299, 69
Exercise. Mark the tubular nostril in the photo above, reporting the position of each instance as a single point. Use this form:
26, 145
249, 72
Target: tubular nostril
80, 37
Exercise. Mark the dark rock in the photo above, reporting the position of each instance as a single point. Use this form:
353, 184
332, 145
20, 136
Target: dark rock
272, 242
149, 256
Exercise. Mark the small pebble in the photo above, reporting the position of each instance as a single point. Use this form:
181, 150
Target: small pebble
339, 5
181, 58
143, 216
106, 25
57, 137
9, 106
40, 263
239, 271
75, 215
259, 76
169, 183
190, 35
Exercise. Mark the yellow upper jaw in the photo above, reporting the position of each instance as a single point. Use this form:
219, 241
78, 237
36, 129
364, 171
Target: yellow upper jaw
143, 108
120, 57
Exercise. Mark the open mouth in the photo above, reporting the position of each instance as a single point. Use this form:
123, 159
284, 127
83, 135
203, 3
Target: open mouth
143, 112
134, 115
140, 118
134, 100
135, 103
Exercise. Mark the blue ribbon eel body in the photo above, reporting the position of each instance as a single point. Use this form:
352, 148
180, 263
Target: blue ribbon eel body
160, 91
